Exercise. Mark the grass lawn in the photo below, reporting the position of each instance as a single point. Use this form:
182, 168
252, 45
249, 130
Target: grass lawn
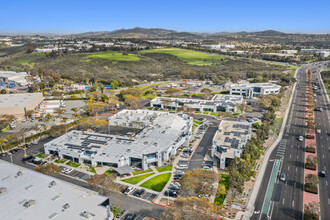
190, 56
165, 168
205, 113
198, 122
109, 172
112, 55
221, 198
41, 155
195, 125
60, 161
73, 164
137, 172
91, 169
157, 183
214, 113
136, 179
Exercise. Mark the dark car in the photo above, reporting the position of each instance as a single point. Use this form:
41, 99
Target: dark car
139, 192
177, 177
27, 145
130, 216
2, 155
323, 174
171, 193
27, 158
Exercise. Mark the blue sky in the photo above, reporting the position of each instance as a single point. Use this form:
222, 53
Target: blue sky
72, 16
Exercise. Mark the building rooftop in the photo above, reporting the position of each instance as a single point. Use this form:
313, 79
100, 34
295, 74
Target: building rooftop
159, 131
46, 196
18, 100
249, 85
232, 133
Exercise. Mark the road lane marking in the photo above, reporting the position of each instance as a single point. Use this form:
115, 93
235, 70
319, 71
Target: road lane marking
326, 182
297, 157
283, 201
296, 169
292, 203
323, 155
290, 156
288, 168
328, 201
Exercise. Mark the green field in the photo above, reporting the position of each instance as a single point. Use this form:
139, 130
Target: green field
60, 161
135, 180
41, 155
112, 55
157, 183
73, 164
91, 169
165, 168
29, 58
137, 172
190, 56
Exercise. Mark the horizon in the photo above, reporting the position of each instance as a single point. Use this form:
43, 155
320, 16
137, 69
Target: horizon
185, 16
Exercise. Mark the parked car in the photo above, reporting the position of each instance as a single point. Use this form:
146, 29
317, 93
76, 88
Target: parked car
181, 167
129, 190
177, 177
34, 142
184, 155
206, 167
130, 216
27, 157
179, 172
139, 192
170, 193
27, 145
283, 177
173, 187
124, 190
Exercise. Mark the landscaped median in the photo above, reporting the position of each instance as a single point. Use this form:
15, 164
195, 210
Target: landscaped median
158, 182
137, 179
311, 198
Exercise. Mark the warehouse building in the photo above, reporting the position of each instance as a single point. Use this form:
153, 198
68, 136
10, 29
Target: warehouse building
14, 77
254, 89
225, 103
27, 194
160, 135
229, 141
18, 104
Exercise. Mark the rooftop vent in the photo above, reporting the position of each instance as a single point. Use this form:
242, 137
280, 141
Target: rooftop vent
87, 215
3, 190
52, 183
29, 203
19, 173
66, 206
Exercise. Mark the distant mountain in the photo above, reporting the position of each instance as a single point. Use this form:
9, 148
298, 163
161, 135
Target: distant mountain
139, 32
267, 33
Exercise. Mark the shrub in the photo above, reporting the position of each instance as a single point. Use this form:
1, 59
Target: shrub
310, 136
311, 162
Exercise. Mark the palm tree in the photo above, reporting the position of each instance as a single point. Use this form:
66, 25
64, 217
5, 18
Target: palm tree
3, 142
60, 111
75, 115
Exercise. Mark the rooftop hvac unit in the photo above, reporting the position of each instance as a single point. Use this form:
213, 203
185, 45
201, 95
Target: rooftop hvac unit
66, 206
29, 203
3, 190
19, 173
86, 214
52, 183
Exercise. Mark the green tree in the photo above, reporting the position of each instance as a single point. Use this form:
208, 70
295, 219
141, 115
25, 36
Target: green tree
312, 211
116, 210
3, 142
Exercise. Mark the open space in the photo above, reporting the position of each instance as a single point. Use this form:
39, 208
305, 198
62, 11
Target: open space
157, 183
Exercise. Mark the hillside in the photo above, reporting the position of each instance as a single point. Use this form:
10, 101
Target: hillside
146, 65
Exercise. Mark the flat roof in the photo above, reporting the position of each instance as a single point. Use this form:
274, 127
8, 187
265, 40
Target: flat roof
248, 85
8, 74
159, 131
19, 99
49, 200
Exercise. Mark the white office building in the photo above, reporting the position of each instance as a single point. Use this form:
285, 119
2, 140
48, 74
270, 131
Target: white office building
29, 195
254, 89
161, 134
229, 141
14, 77
288, 51
225, 103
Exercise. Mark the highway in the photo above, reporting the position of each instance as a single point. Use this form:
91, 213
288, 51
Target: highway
284, 199
322, 122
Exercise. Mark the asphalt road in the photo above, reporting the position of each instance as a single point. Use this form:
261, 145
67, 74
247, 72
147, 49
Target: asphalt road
322, 122
140, 207
284, 200
197, 158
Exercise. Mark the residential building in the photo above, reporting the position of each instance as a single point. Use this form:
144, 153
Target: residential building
18, 104
27, 194
225, 103
251, 90
229, 141
323, 53
160, 135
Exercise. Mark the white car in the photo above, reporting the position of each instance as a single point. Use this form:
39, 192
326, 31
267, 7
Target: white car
34, 142
318, 131
301, 138
129, 190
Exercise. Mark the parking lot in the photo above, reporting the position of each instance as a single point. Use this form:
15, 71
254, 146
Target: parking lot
76, 174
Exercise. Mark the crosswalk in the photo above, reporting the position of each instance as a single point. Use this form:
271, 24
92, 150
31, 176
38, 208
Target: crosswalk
281, 148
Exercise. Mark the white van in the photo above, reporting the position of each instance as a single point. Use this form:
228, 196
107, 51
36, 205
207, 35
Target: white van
182, 167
